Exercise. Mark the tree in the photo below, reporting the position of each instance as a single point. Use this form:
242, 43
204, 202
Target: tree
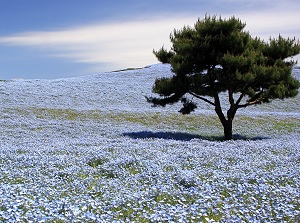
217, 55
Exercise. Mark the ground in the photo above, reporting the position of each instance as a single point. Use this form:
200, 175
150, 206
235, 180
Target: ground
91, 149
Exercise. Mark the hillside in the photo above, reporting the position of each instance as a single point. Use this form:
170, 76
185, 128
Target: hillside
91, 149
124, 91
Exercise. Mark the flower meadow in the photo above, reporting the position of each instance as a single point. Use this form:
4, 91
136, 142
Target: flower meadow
91, 149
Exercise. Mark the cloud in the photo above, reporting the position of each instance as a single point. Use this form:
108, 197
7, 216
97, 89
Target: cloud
130, 43
120, 43
268, 24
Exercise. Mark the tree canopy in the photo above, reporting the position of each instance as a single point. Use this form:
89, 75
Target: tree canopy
217, 55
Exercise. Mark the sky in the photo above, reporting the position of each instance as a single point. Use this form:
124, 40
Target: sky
49, 39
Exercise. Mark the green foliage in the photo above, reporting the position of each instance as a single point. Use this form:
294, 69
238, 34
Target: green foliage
217, 55
97, 162
163, 55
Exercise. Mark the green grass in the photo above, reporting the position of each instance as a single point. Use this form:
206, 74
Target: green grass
126, 69
13, 180
207, 126
97, 162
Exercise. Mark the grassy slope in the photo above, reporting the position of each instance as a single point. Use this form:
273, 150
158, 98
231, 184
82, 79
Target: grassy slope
200, 125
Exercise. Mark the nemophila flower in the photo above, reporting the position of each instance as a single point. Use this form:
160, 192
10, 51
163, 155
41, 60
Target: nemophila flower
73, 158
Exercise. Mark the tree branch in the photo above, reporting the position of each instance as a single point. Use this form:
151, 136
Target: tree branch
202, 98
239, 99
230, 95
218, 109
255, 102
164, 101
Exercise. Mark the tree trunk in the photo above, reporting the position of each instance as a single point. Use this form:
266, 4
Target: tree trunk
228, 129
227, 123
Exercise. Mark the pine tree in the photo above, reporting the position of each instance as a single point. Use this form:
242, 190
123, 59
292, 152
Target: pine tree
217, 55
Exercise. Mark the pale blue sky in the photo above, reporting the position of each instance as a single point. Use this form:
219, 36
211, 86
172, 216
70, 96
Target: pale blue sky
67, 38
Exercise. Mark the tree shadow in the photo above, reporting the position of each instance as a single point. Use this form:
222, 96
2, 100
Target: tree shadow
181, 136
